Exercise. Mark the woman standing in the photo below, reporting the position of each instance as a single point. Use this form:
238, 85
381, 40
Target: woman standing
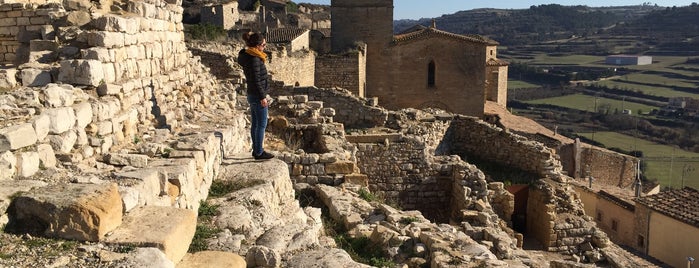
253, 61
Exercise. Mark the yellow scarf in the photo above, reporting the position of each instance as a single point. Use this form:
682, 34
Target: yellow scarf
257, 53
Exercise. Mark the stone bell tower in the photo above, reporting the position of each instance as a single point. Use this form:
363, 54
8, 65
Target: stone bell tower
370, 22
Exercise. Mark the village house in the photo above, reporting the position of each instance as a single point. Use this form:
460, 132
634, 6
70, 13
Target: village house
663, 225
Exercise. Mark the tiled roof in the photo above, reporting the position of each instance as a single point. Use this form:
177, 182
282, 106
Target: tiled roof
616, 200
682, 205
432, 32
497, 62
283, 35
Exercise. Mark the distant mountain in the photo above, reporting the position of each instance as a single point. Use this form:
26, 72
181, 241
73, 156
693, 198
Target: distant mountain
536, 24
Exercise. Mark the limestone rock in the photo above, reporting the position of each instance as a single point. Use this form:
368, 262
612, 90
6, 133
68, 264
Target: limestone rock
209, 259
8, 165
82, 212
18, 136
148, 257
62, 119
134, 160
58, 95
260, 256
27, 164
332, 257
169, 229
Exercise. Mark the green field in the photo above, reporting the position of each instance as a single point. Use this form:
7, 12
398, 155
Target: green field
588, 103
667, 165
513, 84
650, 90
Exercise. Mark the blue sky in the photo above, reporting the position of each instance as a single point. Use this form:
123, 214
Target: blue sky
415, 9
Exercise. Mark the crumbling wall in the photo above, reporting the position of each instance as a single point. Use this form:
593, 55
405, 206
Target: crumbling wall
125, 79
352, 111
472, 137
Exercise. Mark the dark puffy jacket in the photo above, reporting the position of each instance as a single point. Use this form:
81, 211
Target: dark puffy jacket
255, 74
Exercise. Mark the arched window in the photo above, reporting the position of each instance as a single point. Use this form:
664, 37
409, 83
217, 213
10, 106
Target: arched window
431, 74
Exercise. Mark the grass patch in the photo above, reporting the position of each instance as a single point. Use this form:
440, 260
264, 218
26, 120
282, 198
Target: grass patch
221, 188
360, 249
206, 210
513, 84
367, 196
202, 233
587, 103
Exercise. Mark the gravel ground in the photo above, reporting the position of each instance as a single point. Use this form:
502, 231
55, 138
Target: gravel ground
29, 251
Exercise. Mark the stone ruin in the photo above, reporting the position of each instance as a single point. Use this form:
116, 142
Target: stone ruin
112, 132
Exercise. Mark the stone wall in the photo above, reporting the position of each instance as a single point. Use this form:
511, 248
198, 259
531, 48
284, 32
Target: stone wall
225, 15
399, 170
346, 71
350, 110
459, 75
607, 167
472, 137
295, 68
20, 23
134, 75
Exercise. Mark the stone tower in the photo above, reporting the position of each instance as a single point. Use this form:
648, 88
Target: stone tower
368, 21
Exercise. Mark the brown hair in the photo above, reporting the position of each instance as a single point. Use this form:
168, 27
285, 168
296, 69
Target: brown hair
253, 39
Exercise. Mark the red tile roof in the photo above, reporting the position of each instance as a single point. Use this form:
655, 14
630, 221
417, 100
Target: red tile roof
682, 205
283, 35
428, 32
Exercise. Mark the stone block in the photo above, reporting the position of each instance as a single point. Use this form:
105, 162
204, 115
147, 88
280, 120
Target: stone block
33, 77
42, 125
206, 259
115, 23
81, 72
105, 39
43, 56
357, 179
63, 143
16, 137
84, 212
169, 229
98, 53
62, 119
341, 167
8, 78
8, 165
83, 114
108, 89
58, 95
27, 164
134, 160
47, 157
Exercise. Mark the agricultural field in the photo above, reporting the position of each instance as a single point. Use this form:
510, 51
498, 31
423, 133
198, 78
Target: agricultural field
513, 84
667, 165
588, 103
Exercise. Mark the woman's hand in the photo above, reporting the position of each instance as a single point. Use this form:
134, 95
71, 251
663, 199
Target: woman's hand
264, 103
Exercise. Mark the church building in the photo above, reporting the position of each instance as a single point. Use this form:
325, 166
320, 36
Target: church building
421, 67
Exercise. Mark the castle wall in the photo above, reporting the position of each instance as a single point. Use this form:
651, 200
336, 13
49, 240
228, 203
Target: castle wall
459, 76
347, 71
